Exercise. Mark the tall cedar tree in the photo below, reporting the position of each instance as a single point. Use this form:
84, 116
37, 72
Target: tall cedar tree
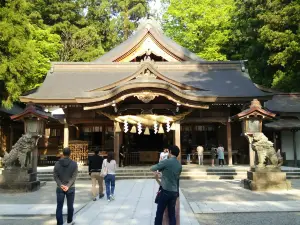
80, 41
26, 48
203, 26
128, 13
267, 33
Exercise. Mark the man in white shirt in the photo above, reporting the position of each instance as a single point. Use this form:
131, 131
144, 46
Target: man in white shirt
200, 151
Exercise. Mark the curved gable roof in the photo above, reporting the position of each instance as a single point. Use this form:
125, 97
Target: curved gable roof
149, 29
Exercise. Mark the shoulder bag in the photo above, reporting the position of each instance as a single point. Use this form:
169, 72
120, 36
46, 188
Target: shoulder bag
104, 169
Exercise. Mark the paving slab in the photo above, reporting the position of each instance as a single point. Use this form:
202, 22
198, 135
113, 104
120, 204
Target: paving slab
245, 207
134, 204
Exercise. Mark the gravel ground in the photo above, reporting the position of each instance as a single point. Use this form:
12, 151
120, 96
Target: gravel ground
290, 218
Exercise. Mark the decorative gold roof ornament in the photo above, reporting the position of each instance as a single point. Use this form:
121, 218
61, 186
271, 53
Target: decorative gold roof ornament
146, 97
146, 74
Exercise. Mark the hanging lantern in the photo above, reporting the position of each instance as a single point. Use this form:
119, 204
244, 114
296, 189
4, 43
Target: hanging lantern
173, 126
133, 129
118, 128
155, 127
147, 131
125, 126
168, 126
140, 128
161, 129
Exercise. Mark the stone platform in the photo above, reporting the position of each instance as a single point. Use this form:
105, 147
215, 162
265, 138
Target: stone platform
19, 179
266, 180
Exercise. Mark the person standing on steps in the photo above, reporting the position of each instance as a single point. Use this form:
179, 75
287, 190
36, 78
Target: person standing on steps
213, 154
164, 155
220, 152
110, 178
65, 173
171, 170
200, 151
95, 165
122, 156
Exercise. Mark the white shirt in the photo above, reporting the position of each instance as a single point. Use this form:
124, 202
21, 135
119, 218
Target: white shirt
111, 166
200, 150
163, 156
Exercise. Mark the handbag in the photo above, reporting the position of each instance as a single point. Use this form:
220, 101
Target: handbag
104, 169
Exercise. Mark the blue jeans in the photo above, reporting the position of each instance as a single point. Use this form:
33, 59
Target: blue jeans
60, 196
110, 185
188, 157
166, 199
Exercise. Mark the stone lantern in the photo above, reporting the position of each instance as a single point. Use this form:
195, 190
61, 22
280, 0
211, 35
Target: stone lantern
261, 177
25, 151
252, 119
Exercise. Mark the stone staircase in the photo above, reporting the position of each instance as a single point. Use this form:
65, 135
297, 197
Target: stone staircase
190, 172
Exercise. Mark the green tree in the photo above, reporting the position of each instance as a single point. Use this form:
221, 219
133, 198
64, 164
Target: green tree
26, 48
128, 14
203, 26
67, 18
266, 32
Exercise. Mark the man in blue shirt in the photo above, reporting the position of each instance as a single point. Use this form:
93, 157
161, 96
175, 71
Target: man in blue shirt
171, 170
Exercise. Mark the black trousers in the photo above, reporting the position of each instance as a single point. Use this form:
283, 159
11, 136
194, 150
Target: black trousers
60, 196
121, 161
166, 199
221, 162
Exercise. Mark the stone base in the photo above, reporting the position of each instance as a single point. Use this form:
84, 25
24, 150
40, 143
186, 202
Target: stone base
266, 181
19, 179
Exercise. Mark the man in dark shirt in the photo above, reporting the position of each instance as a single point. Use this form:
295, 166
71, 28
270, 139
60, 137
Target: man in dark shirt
171, 170
65, 173
95, 165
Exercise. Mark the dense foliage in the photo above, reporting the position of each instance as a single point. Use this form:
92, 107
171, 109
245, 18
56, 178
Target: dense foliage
264, 32
203, 26
35, 32
267, 33
26, 48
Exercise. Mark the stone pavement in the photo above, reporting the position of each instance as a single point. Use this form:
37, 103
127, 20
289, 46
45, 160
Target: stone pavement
134, 204
229, 197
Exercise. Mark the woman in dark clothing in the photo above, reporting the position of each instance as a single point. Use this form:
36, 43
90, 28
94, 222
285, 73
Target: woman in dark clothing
122, 156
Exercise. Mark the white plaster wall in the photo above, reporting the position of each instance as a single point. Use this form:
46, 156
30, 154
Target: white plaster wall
287, 144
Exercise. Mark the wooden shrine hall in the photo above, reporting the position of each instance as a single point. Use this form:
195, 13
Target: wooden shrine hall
146, 94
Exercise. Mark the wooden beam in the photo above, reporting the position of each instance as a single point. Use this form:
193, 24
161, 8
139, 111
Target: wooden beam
295, 148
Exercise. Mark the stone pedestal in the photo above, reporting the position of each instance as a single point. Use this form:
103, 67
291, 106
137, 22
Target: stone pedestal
266, 179
19, 179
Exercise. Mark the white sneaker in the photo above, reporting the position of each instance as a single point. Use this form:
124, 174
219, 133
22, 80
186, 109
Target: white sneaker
112, 197
108, 200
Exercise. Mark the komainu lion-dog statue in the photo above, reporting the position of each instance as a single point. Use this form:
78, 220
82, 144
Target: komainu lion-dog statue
265, 150
20, 151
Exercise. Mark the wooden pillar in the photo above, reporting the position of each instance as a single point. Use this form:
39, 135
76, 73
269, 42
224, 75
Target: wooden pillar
295, 148
116, 145
177, 141
229, 146
66, 134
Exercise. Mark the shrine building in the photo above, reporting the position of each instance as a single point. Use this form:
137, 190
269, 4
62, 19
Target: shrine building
147, 93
